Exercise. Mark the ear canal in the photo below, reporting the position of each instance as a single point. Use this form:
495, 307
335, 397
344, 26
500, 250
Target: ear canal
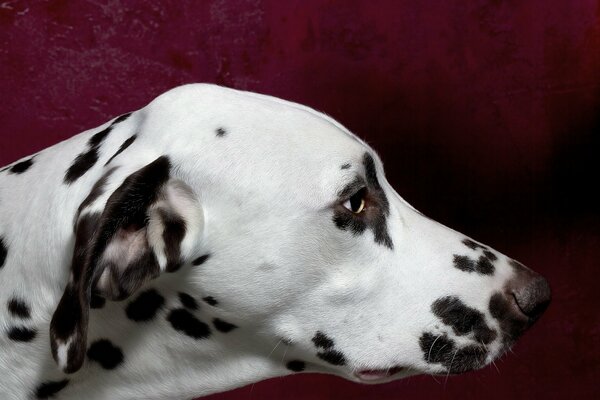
145, 225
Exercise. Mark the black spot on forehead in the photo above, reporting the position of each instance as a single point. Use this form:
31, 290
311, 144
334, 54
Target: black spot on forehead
48, 389
210, 300
105, 353
188, 301
221, 132
123, 147
145, 306
21, 166
333, 357
21, 334
296, 365
183, 321
463, 319
201, 260
18, 308
3, 252
223, 326
322, 341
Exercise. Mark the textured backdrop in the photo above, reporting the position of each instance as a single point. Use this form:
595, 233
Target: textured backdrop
485, 112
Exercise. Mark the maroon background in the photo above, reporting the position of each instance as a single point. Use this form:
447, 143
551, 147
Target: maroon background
486, 113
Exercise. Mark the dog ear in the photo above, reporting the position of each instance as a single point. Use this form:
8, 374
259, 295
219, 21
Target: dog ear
149, 225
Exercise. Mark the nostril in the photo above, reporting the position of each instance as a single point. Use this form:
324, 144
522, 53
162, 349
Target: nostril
533, 298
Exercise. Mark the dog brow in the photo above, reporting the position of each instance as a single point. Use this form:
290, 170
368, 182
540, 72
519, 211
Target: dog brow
352, 187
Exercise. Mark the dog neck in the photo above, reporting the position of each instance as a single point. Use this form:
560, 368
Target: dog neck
188, 349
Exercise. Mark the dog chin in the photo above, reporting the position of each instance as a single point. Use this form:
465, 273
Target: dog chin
377, 376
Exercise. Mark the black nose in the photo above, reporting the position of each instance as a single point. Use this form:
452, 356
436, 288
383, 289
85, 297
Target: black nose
524, 300
531, 292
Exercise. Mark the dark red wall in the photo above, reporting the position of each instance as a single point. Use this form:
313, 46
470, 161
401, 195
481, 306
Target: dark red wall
486, 113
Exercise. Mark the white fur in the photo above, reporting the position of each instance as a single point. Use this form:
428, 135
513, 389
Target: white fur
262, 207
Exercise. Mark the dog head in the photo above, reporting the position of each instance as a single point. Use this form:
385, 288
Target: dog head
284, 221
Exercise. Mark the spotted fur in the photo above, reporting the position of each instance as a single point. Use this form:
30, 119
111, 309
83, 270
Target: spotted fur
205, 242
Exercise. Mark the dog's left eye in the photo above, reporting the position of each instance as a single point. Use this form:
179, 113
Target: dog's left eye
356, 203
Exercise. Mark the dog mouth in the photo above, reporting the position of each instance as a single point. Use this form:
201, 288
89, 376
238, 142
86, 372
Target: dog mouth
374, 375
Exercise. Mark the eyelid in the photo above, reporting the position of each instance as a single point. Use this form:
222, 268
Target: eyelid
351, 188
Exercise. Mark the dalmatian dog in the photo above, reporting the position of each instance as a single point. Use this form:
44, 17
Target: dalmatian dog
216, 238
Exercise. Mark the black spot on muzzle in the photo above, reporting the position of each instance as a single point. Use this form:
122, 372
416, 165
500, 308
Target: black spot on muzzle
463, 319
443, 350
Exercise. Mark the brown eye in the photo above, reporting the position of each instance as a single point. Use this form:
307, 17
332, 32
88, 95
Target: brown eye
356, 203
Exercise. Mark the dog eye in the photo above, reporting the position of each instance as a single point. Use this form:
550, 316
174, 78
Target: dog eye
356, 203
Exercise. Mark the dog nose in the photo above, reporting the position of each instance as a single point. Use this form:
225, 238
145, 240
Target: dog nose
531, 292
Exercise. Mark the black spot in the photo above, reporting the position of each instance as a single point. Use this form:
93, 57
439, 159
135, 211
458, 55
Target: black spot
472, 245
188, 301
346, 166
105, 353
484, 266
441, 349
18, 308
375, 215
97, 138
201, 260
464, 263
463, 319
322, 341
48, 389
332, 357
81, 165
348, 221
21, 166
124, 146
221, 132
210, 300
490, 255
88, 158
120, 118
173, 234
97, 301
223, 326
183, 321
21, 334
296, 366
3, 252
145, 306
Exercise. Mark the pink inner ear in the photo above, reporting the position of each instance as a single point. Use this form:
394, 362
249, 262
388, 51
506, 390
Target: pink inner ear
125, 249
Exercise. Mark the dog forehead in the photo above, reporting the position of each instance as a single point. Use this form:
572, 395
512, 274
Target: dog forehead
247, 140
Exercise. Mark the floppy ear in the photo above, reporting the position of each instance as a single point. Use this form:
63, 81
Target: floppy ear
149, 225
